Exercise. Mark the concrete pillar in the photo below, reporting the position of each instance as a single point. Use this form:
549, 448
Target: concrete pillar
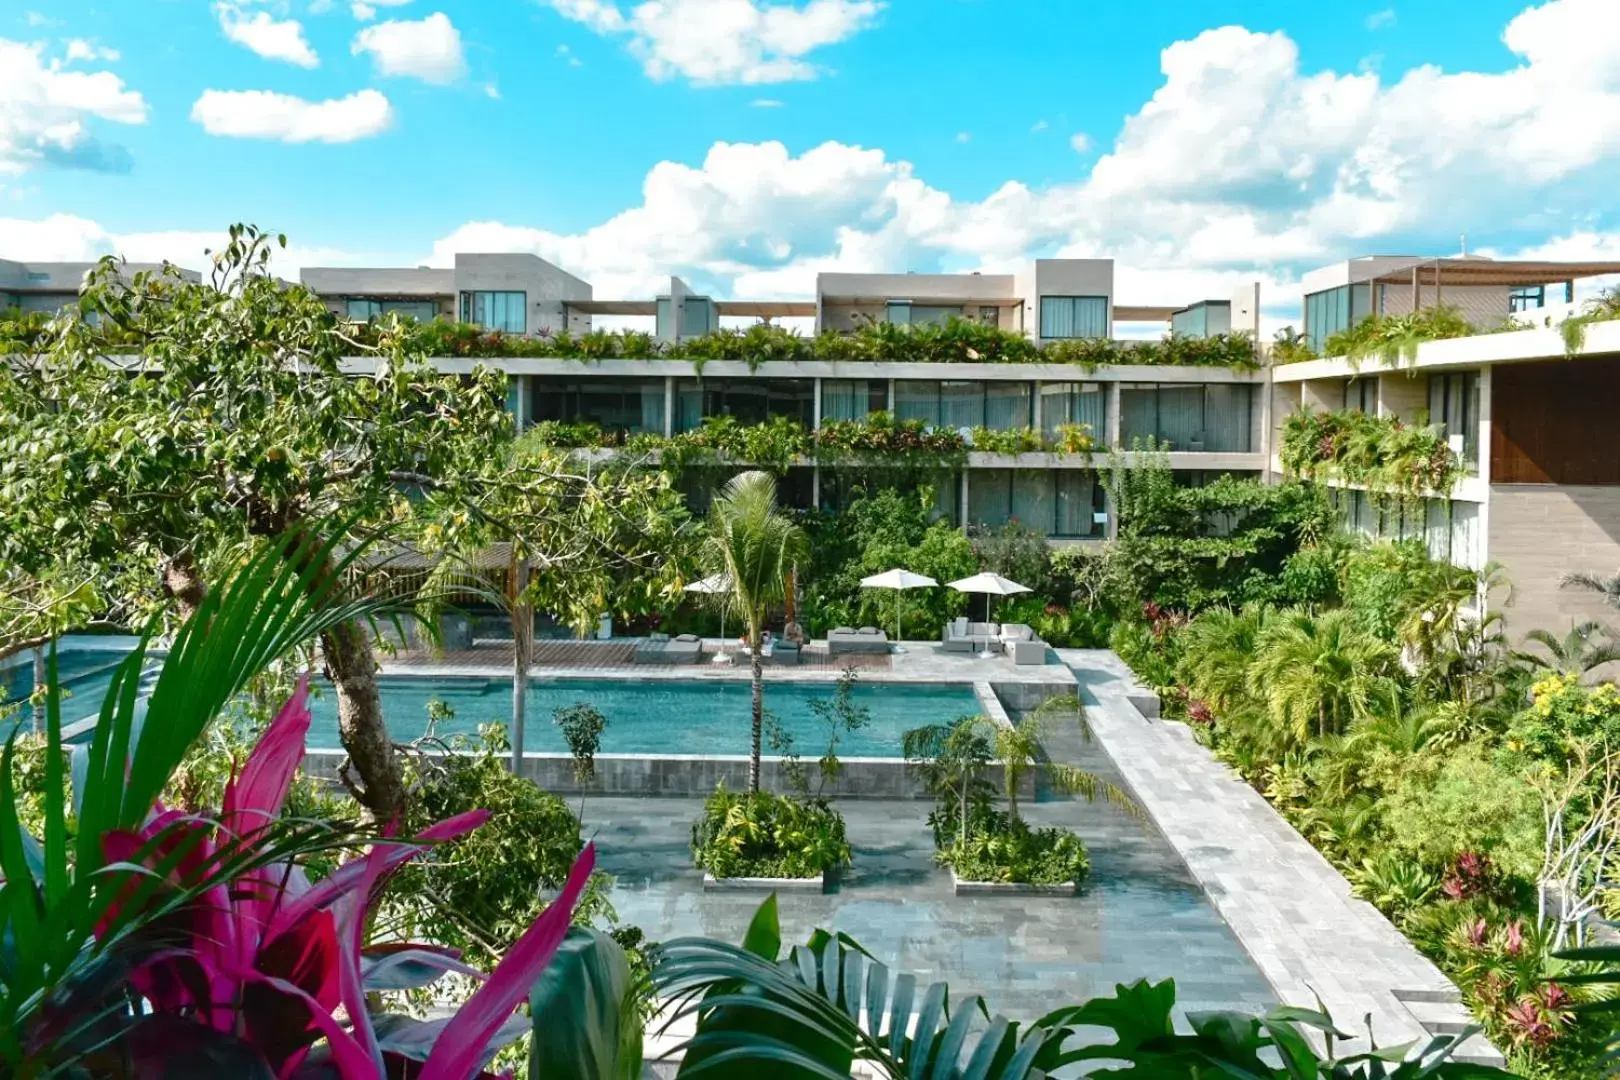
669, 405
1035, 415
963, 509
815, 486
815, 407
891, 398
1111, 421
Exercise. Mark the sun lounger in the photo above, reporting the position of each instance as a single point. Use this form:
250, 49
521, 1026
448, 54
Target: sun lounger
868, 639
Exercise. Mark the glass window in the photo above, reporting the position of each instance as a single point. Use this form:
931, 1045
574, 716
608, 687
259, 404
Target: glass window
853, 399
1527, 298
631, 406
899, 312
1454, 406
1074, 316
990, 316
1008, 405
1326, 313
697, 317
1213, 418
1361, 395
1465, 535
420, 310
917, 399
664, 317
1074, 403
364, 310
961, 404
1051, 502
751, 401
503, 311
934, 314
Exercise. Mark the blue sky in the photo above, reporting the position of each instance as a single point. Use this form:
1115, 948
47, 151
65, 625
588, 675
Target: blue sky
746, 144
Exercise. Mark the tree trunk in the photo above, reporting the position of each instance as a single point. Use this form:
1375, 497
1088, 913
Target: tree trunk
183, 581
522, 652
40, 677
353, 672
757, 665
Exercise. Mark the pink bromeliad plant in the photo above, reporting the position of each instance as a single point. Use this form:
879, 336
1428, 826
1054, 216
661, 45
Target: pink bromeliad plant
271, 964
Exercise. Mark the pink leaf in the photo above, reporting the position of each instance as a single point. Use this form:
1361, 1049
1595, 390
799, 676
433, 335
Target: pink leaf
351, 874
458, 1050
255, 797
352, 1062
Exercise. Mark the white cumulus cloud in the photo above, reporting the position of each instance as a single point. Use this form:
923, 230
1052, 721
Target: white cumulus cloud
265, 35
78, 49
726, 42
264, 114
428, 49
46, 112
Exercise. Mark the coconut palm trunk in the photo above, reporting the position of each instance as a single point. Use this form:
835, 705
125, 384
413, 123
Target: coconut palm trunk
756, 547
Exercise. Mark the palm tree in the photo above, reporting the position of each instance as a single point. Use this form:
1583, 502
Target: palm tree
1219, 646
1606, 587
1576, 653
1317, 675
755, 546
1020, 750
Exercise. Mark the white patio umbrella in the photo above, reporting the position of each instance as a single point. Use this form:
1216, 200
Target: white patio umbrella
715, 585
898, 580
991, 585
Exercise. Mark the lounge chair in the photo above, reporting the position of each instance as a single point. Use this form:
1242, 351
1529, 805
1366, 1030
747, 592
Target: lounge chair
1022, 645
782, 653
653, 650
684, 649
867, 640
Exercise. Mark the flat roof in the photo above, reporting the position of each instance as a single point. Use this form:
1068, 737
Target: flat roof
1146, 312
929, 301
756, 308
1462, 271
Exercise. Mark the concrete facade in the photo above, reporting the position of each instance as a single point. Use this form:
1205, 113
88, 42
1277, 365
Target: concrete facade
1539, 533
50, 286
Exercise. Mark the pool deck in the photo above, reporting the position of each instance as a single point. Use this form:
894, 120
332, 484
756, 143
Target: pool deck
921, 662
1287, 907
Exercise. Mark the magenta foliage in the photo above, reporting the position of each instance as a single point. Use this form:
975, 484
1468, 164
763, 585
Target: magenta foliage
269, 959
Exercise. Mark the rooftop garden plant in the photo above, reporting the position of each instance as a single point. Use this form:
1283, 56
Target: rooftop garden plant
1380, 453
1392, 339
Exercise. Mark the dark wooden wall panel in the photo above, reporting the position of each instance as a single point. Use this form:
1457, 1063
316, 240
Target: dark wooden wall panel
1556, 422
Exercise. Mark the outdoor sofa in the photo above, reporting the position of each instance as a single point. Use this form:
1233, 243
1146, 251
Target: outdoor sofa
968, 637
661, 649
1022, 645
868, 639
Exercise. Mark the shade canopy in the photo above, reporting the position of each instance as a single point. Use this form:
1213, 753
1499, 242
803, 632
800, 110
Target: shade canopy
994, 584
714, 583
897, 579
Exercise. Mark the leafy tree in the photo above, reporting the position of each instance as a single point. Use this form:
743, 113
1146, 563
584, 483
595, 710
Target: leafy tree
756, 546
1218, 647
1317, 675
952, 758
168, 427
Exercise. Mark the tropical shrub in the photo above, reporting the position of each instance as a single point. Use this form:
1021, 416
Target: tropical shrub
1394, 338
479, 893
1003, 848
1380, 453
957, 340
1563, 714
820, 1008
767, 835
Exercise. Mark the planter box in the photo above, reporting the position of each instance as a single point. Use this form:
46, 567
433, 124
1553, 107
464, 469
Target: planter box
1016, 888
764, 884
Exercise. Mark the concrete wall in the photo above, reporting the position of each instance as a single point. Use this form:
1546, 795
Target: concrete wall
1246, 310
1402, 396
627, 774
1540, 533
849, 317
546, 286
921, 288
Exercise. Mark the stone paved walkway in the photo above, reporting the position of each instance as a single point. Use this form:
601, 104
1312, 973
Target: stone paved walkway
1289, 907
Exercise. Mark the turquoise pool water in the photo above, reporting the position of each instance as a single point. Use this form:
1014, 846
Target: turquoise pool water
659, 717
83, 675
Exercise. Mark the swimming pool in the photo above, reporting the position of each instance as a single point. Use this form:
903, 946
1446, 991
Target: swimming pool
659, 717
84, 676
